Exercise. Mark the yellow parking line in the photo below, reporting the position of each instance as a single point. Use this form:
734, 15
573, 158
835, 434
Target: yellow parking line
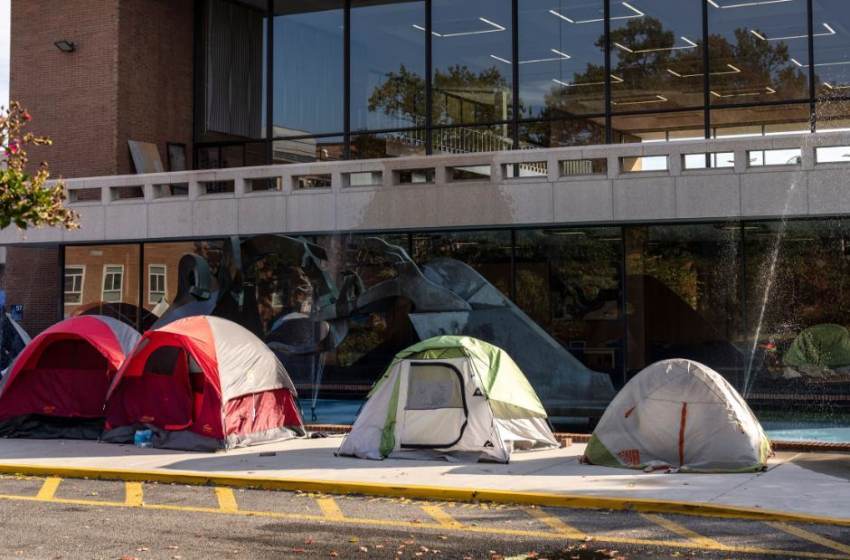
134, 493
441, 517
809, 536
226, 499
409, 525
563, 529
683, 531
48, 489
330, 509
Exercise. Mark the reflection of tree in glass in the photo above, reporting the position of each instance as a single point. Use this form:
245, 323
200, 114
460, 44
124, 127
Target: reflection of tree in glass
649, 59
459, 95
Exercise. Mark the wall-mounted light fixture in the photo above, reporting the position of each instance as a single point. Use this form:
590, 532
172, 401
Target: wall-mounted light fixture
65, 46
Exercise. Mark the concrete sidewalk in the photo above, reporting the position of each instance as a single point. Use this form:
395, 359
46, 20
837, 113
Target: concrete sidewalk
796, 484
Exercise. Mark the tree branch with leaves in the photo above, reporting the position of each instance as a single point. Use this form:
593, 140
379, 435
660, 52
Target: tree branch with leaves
26, 199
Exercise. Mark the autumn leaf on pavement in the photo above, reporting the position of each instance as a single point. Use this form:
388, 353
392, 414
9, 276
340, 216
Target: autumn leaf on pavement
334, 554
353, 539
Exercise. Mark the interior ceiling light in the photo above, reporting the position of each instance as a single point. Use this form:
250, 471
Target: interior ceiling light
655, 99
829, 31
561, 56
635, 13
839, 63
496, 29
690, 45
614, 79
767, 91
732, 70
717, 5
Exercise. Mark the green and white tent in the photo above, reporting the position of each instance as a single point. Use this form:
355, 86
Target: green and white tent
453, 397
683, 416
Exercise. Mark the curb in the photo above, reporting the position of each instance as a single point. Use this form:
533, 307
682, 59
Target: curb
426, 493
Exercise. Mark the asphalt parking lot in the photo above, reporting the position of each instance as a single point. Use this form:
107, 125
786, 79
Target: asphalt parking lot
76, 518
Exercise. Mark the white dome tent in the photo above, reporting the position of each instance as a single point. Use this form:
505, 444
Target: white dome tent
683, 416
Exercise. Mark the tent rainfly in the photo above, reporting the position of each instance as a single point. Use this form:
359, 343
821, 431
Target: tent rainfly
201, 384
57, 386
683, 416
454, 397
13, 340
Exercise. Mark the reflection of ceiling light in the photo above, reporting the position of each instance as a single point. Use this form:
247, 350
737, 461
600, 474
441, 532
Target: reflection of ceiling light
829, 31
690, 45
830, 86
840, 63
561, 56
635, 14
496, 26
614, 79
655, 99
734, 70
768, 91
746, 4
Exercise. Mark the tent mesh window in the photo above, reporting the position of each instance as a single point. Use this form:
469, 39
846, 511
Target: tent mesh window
432, 387
163, 360
71, 354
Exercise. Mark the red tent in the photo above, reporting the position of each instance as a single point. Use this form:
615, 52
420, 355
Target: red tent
202, 383
57, 386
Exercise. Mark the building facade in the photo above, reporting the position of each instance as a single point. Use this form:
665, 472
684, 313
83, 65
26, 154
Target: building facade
640, 180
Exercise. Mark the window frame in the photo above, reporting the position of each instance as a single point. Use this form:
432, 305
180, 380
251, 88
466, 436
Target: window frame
120, 290
164, 291
81, 292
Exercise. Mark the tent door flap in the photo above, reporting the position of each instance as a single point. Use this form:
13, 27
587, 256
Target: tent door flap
435, 414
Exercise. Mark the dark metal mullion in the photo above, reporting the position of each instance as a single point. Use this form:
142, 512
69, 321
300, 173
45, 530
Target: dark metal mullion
429, 79
744, 312
61, 310
142, 286
515, 77
624, 325
270, 82
706, 80
609, 133
346, 111
512, 284
199, 80
811, 42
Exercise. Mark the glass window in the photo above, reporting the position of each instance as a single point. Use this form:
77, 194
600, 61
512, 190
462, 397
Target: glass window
108, 285
488, 252
113, 283
234, 70
832, 48
308, 150
394, 144
561, 58
164, 281
798, 311
562, 133
308, 67
470, 139
662, 127
769, 120
387, 64
758, 51
656, 54
683, 296
157, 283
74, 279
569, 281
471, 53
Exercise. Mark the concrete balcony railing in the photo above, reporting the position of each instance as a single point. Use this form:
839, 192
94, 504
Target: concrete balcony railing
759, 177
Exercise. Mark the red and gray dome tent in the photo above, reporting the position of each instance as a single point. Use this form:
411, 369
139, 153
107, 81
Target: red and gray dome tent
57, 386
201, 384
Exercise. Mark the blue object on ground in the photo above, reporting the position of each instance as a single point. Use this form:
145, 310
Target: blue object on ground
143, 438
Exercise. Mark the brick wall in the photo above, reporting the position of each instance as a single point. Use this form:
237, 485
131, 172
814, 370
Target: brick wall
130, 78
155, 69
31, 279
73, 97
